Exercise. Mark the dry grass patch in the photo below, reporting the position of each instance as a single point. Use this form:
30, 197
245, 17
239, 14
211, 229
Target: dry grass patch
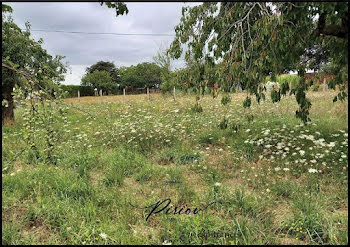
41, 233
195, 181
15, 213
131, 185
281, 211
290, 241
219, 161
142, 231
233, 183
96, 176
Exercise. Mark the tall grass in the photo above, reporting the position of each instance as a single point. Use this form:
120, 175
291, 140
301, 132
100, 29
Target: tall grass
274, 180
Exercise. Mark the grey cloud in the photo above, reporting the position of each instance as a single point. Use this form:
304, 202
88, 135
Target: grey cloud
84, 49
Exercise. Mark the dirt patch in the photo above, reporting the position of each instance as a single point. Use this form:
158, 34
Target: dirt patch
15, 213
96, 176
41, 232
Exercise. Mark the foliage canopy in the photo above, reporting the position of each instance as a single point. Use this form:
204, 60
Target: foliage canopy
251, 40
98, 79
105, 66
21, 53
140, 76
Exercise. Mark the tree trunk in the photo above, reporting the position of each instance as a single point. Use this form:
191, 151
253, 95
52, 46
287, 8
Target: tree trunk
7, 112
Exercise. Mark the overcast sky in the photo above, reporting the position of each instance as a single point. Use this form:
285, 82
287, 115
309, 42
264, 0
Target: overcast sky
83, 50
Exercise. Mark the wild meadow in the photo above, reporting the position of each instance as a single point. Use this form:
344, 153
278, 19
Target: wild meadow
274, 180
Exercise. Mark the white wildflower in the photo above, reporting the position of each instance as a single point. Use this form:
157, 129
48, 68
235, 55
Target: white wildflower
311, 170
166, 242
103, 235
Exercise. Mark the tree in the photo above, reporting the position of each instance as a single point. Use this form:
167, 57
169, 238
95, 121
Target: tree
105, 66
120, 7
142, 75
21, 53
98, 79
252, 39
163, 60
178, 79
150, 74
130, 78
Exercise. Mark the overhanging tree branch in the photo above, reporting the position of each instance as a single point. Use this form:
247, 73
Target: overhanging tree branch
340, 31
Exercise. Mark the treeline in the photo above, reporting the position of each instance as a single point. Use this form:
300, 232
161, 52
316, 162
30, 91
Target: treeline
136, 78
111, 80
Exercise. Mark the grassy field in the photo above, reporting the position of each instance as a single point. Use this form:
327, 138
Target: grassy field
274, 180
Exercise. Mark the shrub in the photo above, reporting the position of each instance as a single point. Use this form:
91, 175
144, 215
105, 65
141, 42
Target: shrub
292, 80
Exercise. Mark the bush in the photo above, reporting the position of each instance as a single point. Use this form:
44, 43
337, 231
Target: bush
166, 87
290, 79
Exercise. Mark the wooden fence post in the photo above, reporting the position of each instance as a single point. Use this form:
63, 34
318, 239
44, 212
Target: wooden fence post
324, 84
174, 93
148, 93
78, 96
101, 94
124, 97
